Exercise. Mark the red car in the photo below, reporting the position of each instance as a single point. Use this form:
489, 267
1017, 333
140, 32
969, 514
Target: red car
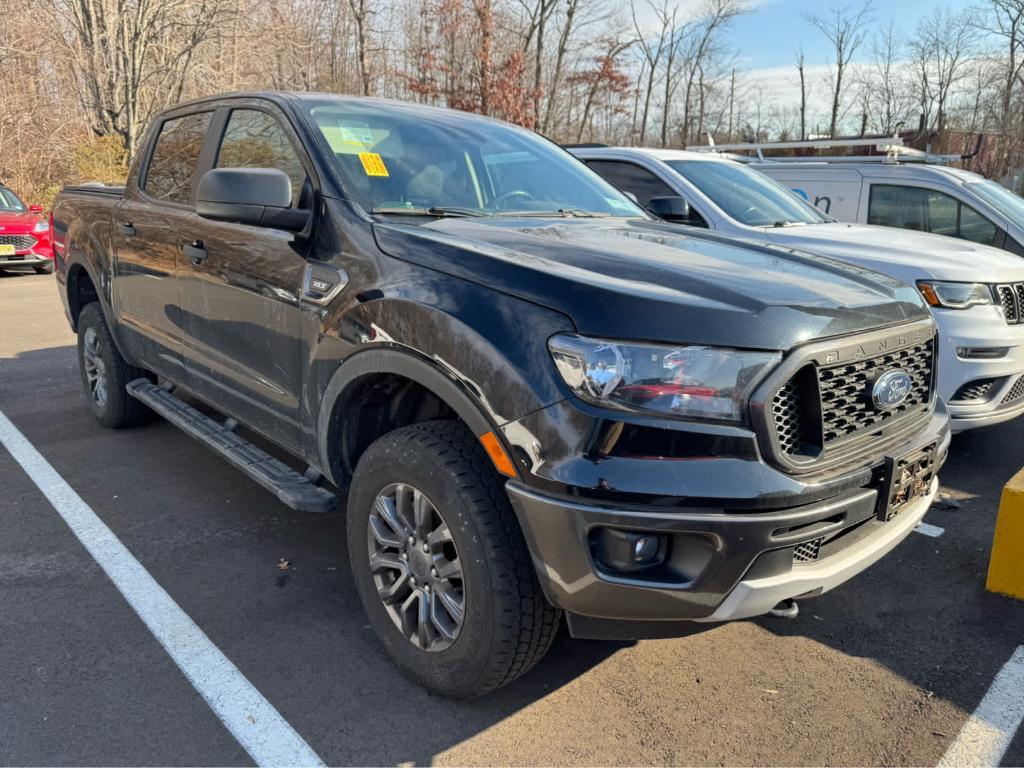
24, 235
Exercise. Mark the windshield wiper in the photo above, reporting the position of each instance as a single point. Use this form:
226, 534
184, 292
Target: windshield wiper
564, 213
436, 210
785, 223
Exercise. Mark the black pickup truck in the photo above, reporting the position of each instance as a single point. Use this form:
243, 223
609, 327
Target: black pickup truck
535, 398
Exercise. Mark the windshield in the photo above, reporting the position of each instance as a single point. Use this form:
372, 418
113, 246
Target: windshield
746, 195
1002, 199
9, 201
392, 157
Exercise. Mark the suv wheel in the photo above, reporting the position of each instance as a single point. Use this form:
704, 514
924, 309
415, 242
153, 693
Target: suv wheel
105, 373
440, 562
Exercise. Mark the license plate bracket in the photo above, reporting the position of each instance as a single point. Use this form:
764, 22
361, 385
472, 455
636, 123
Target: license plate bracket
907, 479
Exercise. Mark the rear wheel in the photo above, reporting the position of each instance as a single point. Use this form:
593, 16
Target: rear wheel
105, 373
440, 562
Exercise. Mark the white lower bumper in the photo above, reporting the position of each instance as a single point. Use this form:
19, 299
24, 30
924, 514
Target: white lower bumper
755, 597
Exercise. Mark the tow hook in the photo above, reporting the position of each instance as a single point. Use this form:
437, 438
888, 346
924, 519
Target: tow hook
787, 609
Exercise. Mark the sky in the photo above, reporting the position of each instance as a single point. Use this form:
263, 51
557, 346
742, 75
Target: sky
767, 39
770, 35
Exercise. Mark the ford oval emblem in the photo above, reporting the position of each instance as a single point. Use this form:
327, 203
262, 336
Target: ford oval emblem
891, 389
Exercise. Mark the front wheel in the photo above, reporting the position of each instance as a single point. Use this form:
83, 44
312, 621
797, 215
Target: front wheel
105, 373
440, 562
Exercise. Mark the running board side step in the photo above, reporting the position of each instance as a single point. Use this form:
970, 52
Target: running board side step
293, 488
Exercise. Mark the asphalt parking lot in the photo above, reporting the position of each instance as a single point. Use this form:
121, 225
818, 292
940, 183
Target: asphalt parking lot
884, 670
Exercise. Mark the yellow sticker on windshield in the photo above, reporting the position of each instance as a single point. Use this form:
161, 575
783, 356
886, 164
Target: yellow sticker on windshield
373, 165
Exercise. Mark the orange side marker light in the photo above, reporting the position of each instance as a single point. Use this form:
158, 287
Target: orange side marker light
501, 461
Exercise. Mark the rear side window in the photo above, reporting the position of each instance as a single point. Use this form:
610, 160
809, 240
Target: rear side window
255, 139
926, 210
172, 167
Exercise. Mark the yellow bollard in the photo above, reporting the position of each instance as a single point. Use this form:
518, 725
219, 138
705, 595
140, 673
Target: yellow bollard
1006, 568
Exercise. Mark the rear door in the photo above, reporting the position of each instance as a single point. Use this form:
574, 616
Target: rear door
148, 234
245, 348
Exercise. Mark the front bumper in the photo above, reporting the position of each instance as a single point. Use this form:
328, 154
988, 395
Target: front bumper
724, 564
25, 260
980, 327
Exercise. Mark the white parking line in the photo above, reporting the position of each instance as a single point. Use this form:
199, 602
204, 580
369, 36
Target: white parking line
928, 529
987, 734
251, 719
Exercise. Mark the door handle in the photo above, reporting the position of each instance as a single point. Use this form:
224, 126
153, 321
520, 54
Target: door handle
127, 229
196, 252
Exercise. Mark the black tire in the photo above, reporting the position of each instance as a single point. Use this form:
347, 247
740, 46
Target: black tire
46, 269
507, 624
117, 408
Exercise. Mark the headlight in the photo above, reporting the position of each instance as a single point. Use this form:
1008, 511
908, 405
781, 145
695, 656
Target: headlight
41, 226
954, 295
685, 381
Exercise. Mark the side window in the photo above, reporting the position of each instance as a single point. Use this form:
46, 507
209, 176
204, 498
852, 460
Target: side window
255, 139
172, 167
975, 227
927, 210
640, 182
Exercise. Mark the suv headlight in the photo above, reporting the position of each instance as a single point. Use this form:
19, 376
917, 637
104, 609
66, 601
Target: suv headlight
954, 295
41, 226
692, 382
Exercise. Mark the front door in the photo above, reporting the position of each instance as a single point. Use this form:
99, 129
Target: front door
245, 349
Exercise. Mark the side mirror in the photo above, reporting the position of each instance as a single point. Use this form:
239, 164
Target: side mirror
260, 197
670, 208
35, 209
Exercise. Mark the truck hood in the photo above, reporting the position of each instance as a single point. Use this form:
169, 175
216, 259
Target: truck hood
906, 255
634, 279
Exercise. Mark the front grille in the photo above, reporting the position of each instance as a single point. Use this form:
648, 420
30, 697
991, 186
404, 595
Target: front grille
1011, 300
808, 551
20, 242
1016, 392
846, 407
822, 405
973, 390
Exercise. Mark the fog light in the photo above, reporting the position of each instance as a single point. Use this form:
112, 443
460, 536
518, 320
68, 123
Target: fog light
627, 551
981, 353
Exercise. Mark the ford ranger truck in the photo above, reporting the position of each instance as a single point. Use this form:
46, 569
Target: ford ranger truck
533, 399
976, 292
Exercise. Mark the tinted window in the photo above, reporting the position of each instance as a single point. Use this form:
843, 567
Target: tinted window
925, 210
255, 139
172, 168
640, 182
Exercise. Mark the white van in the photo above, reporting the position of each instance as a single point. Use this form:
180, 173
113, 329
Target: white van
976, 292
924, 198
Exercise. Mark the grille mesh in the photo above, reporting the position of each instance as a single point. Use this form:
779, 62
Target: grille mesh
789, 425
20, 242
1011, 299
1016, 391
973, 390
807, 552
845, 397
846, 406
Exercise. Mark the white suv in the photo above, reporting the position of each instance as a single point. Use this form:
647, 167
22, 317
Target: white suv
976, 292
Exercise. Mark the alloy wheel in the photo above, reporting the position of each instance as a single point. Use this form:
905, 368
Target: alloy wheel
416, 567
95, 367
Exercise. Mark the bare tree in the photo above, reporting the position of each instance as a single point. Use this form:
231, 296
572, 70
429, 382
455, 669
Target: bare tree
803, 93
941, 47
845, 29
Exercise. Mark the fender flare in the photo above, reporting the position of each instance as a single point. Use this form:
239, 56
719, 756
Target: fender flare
410, 365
